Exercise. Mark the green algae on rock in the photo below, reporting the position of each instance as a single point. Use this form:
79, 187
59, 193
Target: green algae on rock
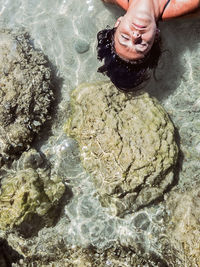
28, 192
25, 95
126, 143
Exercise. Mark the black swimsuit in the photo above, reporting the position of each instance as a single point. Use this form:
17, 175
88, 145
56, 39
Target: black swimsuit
163, 8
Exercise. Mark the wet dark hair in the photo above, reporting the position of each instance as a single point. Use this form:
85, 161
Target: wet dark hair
125, 75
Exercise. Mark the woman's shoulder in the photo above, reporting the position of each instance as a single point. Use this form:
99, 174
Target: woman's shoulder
122, 3
177, 8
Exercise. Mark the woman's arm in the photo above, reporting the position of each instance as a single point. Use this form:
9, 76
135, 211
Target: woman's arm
196, 13
177, 8
122, 3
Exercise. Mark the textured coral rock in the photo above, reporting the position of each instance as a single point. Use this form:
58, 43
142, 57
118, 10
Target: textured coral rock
25, 93
126, 143
184, 227
29, 191
49, 249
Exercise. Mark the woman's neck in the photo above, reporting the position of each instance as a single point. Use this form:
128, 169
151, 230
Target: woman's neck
153, 7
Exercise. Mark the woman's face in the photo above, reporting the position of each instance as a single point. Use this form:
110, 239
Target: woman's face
134, 36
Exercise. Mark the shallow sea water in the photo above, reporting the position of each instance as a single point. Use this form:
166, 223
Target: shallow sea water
56, 28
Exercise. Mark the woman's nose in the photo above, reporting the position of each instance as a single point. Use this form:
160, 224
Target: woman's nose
136, 34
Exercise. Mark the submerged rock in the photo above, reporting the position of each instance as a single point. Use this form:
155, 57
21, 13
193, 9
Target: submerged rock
49, 249
27, 194
126, 143
183, 228
25, 93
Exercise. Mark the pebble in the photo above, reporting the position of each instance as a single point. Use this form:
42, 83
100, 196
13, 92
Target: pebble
81, 46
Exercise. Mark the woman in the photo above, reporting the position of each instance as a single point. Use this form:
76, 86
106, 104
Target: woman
132, 47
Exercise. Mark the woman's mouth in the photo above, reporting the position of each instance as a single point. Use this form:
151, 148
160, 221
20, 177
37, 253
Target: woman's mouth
138, 26
142, 47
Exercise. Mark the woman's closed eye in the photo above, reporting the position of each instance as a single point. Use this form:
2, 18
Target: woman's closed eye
125, 36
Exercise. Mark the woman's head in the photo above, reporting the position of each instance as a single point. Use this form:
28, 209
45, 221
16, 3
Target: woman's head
134, 36
125, 69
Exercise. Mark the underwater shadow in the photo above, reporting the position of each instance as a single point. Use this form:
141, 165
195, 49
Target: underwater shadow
178, 37
8, 255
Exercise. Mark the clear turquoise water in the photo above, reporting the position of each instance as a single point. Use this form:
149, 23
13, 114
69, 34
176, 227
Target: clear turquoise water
56, 27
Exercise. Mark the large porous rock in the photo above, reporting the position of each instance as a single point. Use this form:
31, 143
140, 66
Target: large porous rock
184, 224
25, 93
126, 143
28, 193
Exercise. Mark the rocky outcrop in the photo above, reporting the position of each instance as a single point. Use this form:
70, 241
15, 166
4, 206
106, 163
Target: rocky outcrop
28, 193
25, 93
126, 143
